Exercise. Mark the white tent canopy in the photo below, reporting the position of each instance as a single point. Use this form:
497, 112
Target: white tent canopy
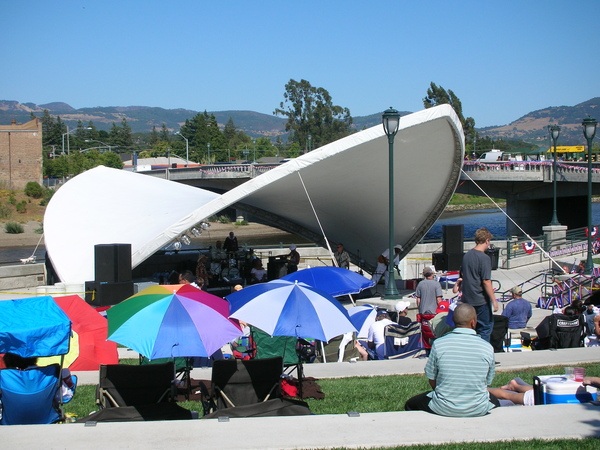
346, 181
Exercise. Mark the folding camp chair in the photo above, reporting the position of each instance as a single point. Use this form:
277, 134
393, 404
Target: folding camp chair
403, 341
340, 348
244, 382
183, 369
566, 331
500, 334
268, 346
126, 385
30, 396
426, 329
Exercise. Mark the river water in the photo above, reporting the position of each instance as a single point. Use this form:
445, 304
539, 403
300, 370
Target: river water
492, 219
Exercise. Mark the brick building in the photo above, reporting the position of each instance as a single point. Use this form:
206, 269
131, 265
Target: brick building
20, 154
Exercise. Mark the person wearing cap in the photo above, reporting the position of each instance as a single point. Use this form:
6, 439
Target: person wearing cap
376, 338
293, 259
402, 310
342, 257
518, 311
428, 293
383, 262
442, 323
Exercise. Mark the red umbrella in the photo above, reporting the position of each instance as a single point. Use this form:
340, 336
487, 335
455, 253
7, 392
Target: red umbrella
91, 330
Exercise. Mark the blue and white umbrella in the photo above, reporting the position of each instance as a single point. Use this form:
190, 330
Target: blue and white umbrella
283, 308
362, 317
333, 280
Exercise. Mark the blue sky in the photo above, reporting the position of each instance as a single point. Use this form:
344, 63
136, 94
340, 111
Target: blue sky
502, 58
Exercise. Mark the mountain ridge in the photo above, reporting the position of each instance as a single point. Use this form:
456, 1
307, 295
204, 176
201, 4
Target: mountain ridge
531, 127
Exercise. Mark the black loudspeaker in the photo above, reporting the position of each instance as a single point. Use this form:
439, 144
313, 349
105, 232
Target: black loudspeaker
276, 267
439, 261
455, 261
112, 262
107, 294
447, 261
453, 239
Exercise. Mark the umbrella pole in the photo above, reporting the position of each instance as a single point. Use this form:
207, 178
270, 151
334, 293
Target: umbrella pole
323, 352
352, 300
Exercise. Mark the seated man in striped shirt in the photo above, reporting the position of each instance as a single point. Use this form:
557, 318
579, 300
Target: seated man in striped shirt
460, 368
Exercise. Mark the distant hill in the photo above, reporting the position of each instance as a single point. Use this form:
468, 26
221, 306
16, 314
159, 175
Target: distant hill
533, 127
530, 128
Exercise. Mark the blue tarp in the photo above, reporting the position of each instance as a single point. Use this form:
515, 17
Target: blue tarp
34, 327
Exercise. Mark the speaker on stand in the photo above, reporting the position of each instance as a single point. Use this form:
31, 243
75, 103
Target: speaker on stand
113, 275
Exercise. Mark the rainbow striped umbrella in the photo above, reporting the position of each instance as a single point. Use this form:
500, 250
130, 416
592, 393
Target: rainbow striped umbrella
171, 321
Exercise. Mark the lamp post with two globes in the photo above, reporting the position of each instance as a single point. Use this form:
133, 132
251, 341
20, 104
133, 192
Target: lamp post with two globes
554, 133
391, 123
589, 131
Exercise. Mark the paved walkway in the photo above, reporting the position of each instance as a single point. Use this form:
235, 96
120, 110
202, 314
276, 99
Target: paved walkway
328, 431
340, 430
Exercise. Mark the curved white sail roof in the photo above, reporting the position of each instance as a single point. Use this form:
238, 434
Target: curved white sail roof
346, 181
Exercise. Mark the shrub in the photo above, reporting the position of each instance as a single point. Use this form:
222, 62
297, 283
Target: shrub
13, 228
21, 206
39, 230
224, 219
12, 199
48, 193
34, 190
5, 211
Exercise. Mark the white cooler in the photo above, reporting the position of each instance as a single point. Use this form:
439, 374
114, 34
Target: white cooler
552, 389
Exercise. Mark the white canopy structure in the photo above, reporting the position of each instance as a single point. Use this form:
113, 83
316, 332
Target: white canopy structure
345, 182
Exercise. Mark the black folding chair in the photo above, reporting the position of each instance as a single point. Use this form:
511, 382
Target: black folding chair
126, 385
239, 383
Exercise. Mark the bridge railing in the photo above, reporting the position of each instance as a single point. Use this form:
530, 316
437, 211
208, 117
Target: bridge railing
543, 168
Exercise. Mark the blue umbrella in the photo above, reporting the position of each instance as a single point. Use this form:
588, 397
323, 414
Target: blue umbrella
284, 308
362, 317
333, 280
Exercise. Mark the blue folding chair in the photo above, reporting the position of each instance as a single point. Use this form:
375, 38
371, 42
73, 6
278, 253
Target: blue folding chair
29, 396
403, 341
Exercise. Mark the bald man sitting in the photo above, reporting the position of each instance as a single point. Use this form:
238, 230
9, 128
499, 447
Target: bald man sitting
460, 368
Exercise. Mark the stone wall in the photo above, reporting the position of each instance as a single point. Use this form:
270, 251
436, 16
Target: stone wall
20, 154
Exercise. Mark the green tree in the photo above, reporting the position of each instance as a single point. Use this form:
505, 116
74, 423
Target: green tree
110, 159
310, 111
120, 136
154, 138
229, 132
437, 95
202, 130
164, 134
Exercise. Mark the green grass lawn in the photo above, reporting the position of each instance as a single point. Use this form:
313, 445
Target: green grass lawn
384, 394
362, 394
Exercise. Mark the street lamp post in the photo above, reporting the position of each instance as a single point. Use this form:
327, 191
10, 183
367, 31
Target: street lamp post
103, 143
589, 131
187, 148
391, 123
68, 142
554, 133
208, 146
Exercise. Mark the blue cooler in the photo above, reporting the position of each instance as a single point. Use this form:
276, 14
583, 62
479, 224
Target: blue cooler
553, 389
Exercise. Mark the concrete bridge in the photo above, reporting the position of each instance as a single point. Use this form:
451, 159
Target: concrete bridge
214, 177
527, 187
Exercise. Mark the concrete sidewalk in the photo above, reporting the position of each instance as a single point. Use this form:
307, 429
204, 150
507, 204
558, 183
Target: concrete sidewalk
390, 429
572, 421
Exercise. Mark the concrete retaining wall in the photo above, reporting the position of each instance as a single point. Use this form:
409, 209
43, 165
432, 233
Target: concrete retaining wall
23, 276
